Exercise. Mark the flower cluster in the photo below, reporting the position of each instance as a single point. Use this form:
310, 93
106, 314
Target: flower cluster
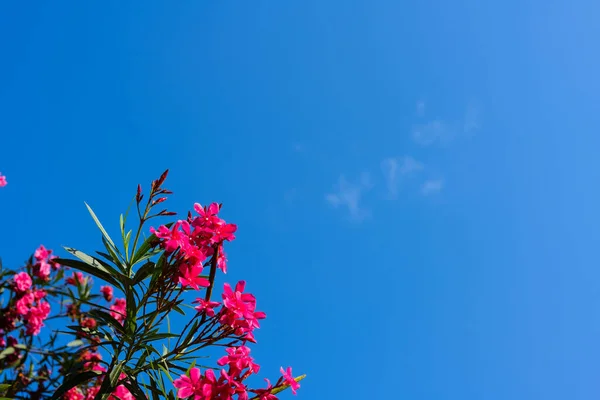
206, 386
195, 239
173, 261
191, 242
89, 393
3, 180
44, 263
28, 306
238, 310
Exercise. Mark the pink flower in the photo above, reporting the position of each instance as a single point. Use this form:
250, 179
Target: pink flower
222, 259
22, 281
24, 304
121, 393
206, 306
54, 264
36, 317
42, 253
265, 394
190, 276
240, 310
238, 359
207, 215
289, 379
76, 278
42, 270
73, 394
119, 310
88, 323
107, 292
92, 392
189, 386
173, 238
3, 181
224, 232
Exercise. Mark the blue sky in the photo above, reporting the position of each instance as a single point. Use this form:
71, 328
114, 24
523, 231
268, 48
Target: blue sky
415, 183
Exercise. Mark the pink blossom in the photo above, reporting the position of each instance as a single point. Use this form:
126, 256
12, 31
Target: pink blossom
22, 281
3, 181
173, 238
88, 323
222, 260
206, 306
265, 394
224, 232
193, 241
42, 253
24, 303
36, 317
92, 392
238, 359
190, 276
121, 393
73, 394
76, 278
240, 310
118, 310
54, 264
107, 292
289, 379
42, 270
189, 385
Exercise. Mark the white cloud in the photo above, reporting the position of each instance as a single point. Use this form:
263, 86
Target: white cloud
394, 168
431, 132
432, 186
349, 195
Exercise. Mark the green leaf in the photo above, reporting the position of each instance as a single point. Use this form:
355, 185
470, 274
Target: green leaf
144, 247
114, 257
166, 371
4, 387
192, 365
92, 266
153, 389
179, 310
142, 273
134, 388
75, 343
72, 381
131, 310
6, 352
97, 221
160, 336
107, 319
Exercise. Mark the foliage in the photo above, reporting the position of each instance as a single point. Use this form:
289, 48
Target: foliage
107, 344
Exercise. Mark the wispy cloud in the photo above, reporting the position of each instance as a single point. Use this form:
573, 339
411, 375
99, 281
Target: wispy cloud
432, 132
394, 168
432, 186
349, 195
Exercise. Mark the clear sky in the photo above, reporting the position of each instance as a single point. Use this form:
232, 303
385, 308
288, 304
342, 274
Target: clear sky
415, 183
